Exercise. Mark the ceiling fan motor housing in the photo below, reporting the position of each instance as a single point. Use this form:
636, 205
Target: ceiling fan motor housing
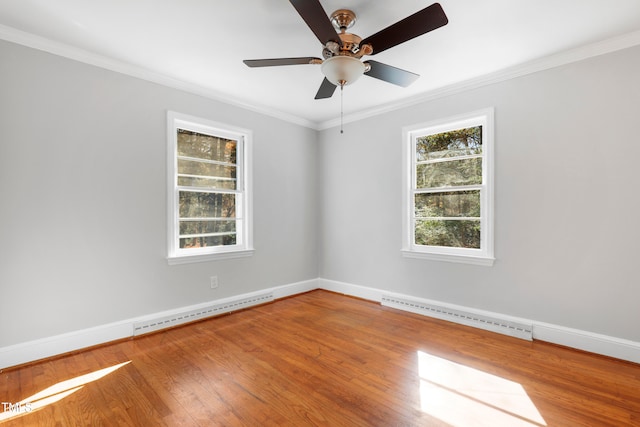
350, 47
342, 19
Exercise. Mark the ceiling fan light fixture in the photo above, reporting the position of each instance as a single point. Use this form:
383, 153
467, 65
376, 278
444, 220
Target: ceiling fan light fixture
342, 70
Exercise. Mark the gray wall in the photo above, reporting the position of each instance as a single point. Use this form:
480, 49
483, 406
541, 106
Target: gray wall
567, 175
83, 199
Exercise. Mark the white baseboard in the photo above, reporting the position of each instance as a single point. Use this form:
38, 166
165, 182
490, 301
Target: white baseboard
30, 351
294, 288
364, 292
588, 341
58, 344
574, 338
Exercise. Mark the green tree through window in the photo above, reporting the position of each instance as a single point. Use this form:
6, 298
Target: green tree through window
207, 218
448, 160
209, 190
447, 198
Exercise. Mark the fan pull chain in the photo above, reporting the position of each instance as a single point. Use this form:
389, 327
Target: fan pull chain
341, 108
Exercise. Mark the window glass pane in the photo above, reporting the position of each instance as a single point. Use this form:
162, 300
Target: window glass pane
450, 233
202, 242
206, 227
220, 183
206, 205
450, 204
455, 143
193, 144
203, 171
450, 173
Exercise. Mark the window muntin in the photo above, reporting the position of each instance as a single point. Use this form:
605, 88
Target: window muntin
447, 199
209, 203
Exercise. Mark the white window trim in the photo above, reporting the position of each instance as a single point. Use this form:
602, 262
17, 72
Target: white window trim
484, 255
196, 124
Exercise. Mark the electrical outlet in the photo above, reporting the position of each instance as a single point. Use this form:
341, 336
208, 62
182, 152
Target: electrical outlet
214, 282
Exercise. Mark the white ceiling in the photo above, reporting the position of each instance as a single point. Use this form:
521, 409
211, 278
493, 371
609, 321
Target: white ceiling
200, 44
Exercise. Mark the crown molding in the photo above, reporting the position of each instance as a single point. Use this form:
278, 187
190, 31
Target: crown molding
566, 57
552, 61
33, 41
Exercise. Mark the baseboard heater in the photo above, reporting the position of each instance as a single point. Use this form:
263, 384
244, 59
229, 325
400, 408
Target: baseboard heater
187, 316
494, 324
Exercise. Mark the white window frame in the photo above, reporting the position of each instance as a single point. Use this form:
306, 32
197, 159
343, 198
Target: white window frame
482, 256
244, 233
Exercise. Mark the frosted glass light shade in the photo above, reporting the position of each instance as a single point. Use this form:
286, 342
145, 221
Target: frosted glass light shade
342, 69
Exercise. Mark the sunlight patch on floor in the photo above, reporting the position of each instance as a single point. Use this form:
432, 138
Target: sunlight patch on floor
55, 393
463, 396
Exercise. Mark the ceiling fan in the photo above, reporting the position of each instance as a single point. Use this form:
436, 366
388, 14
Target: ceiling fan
342, 52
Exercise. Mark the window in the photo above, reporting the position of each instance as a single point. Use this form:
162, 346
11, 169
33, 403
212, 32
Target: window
209, 204
448, 200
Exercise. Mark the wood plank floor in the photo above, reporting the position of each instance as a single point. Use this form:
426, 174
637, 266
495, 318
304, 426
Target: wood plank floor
324, 359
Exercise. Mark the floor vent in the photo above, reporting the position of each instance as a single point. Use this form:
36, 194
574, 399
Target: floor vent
502, 326
187, 316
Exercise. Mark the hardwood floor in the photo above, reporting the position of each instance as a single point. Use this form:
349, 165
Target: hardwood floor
324, 359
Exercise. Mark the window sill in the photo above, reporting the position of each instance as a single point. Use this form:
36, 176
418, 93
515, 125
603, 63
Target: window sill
463, 259
188, 259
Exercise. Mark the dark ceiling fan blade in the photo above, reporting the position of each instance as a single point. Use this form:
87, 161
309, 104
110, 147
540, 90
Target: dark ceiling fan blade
428, 19
391, 74
316, 18
280, 61
326, 89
